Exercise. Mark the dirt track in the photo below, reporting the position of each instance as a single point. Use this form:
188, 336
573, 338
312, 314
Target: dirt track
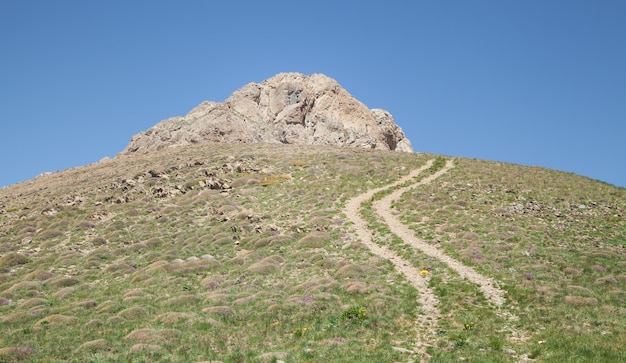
427, 300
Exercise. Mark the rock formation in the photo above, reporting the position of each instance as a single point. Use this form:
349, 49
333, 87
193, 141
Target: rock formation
289, 108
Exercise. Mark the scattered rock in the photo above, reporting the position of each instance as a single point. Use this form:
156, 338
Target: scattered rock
509, 351
402, 350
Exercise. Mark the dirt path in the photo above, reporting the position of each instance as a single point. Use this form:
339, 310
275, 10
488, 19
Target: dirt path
383, 208
429, 314
427, 318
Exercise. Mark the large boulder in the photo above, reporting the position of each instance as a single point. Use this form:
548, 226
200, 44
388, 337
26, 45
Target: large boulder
289, 108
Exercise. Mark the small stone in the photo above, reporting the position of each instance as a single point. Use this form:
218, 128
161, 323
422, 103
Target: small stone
402, 350
509, 351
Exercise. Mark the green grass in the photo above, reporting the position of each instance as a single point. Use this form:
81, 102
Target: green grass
159, 268
147, 259
554, 241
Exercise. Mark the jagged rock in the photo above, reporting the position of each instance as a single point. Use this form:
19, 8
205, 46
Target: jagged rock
289, 108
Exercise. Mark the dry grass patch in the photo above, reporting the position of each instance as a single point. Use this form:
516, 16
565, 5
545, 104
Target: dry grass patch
580, 289
134, 313
16, 354
49, 234
36, 301
145, 279
209, 282
137, 293
357, 287
21, 317
314, 240
13, 259
266, 265
153, 336
191, 266
23, 289
172, 317
62, 281
93, 346
315, 284
267, 180
351, 271
218, 310
606, 280
156, 266
85, 304
55, 320
108, 306
120, 268
580, 300
182, 299
243, 256
217, 297
64, 293
40, 275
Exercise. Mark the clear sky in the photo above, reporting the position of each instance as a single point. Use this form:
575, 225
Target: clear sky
532, 82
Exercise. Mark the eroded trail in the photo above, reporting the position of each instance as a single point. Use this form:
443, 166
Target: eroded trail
427, 319
429, 315
383, 208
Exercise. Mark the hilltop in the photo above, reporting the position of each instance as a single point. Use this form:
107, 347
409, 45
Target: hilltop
289, 108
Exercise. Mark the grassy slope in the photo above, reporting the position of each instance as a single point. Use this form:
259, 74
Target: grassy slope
138, 259
556, 243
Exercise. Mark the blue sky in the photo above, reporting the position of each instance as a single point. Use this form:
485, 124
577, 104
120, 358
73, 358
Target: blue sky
529, 82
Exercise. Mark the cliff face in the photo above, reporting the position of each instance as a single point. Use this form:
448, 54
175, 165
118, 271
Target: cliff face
289, 108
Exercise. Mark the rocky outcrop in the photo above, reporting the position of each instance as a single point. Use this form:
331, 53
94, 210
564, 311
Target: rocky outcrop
289, 108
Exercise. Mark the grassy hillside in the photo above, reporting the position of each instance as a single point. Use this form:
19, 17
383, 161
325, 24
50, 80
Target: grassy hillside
241, 253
